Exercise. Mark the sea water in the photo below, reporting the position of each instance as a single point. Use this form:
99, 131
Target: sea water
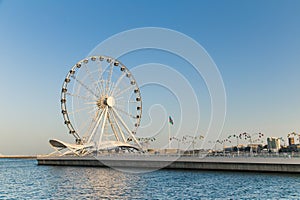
24, 179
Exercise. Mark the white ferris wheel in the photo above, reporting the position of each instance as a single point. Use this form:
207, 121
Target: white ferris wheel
101, 105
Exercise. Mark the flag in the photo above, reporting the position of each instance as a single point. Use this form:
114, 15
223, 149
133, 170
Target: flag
171, 120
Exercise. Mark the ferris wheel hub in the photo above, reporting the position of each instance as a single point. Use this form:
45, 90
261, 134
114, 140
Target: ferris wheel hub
106, 101
110, 101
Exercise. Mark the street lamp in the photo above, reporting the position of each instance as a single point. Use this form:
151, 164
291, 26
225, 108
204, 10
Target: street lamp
178, 142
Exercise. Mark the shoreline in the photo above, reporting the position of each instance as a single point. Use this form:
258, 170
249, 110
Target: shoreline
18, 156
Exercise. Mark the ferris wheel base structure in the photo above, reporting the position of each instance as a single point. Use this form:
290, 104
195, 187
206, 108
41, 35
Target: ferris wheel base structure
144, 161
63, 148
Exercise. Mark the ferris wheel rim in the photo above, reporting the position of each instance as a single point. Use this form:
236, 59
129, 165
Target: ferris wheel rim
110, 100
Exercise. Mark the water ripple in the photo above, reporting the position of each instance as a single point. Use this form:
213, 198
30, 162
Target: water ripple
23, 179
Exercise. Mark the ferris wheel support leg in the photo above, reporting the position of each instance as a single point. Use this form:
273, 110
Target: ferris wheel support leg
119, 128
123, 123
71, 150
102, 128
56, 150
112, 126
96, 127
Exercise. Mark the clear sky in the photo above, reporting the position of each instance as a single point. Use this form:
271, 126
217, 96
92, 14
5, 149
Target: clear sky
255, 44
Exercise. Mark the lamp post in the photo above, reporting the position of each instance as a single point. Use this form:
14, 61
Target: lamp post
220, 142
178, 142
193, 141
237, 143
146, 141
214, 149
223, 142
250, 137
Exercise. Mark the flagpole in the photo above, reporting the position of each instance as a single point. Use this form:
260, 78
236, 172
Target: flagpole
169, 135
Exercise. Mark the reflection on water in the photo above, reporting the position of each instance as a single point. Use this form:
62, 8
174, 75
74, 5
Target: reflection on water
23, 179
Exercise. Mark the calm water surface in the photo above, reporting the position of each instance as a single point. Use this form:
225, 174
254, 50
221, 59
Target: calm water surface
24, 179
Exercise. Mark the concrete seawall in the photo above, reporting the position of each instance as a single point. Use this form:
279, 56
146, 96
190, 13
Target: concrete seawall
258, 164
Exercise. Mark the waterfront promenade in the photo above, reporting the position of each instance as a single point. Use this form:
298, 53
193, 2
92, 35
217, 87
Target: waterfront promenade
285, 164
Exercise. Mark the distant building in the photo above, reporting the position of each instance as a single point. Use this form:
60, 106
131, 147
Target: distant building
254, 148
291, 141
273, 144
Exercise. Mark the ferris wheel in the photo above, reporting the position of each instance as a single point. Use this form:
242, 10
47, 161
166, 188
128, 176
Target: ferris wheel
101, 103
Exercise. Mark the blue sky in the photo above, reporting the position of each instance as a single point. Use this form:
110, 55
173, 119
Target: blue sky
255, 45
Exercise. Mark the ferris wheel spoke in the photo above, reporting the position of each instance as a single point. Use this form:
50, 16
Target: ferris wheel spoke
123, 111
111, 66
120, 89
100, 83
124, 101
85, 86
115, 90
93, 110
110, 89
81, 109
120, 105
83, 126
90, 103
120, 99
124, 90
79, 96
91, 77
100, 76
125, 126
117, 84
92, 122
